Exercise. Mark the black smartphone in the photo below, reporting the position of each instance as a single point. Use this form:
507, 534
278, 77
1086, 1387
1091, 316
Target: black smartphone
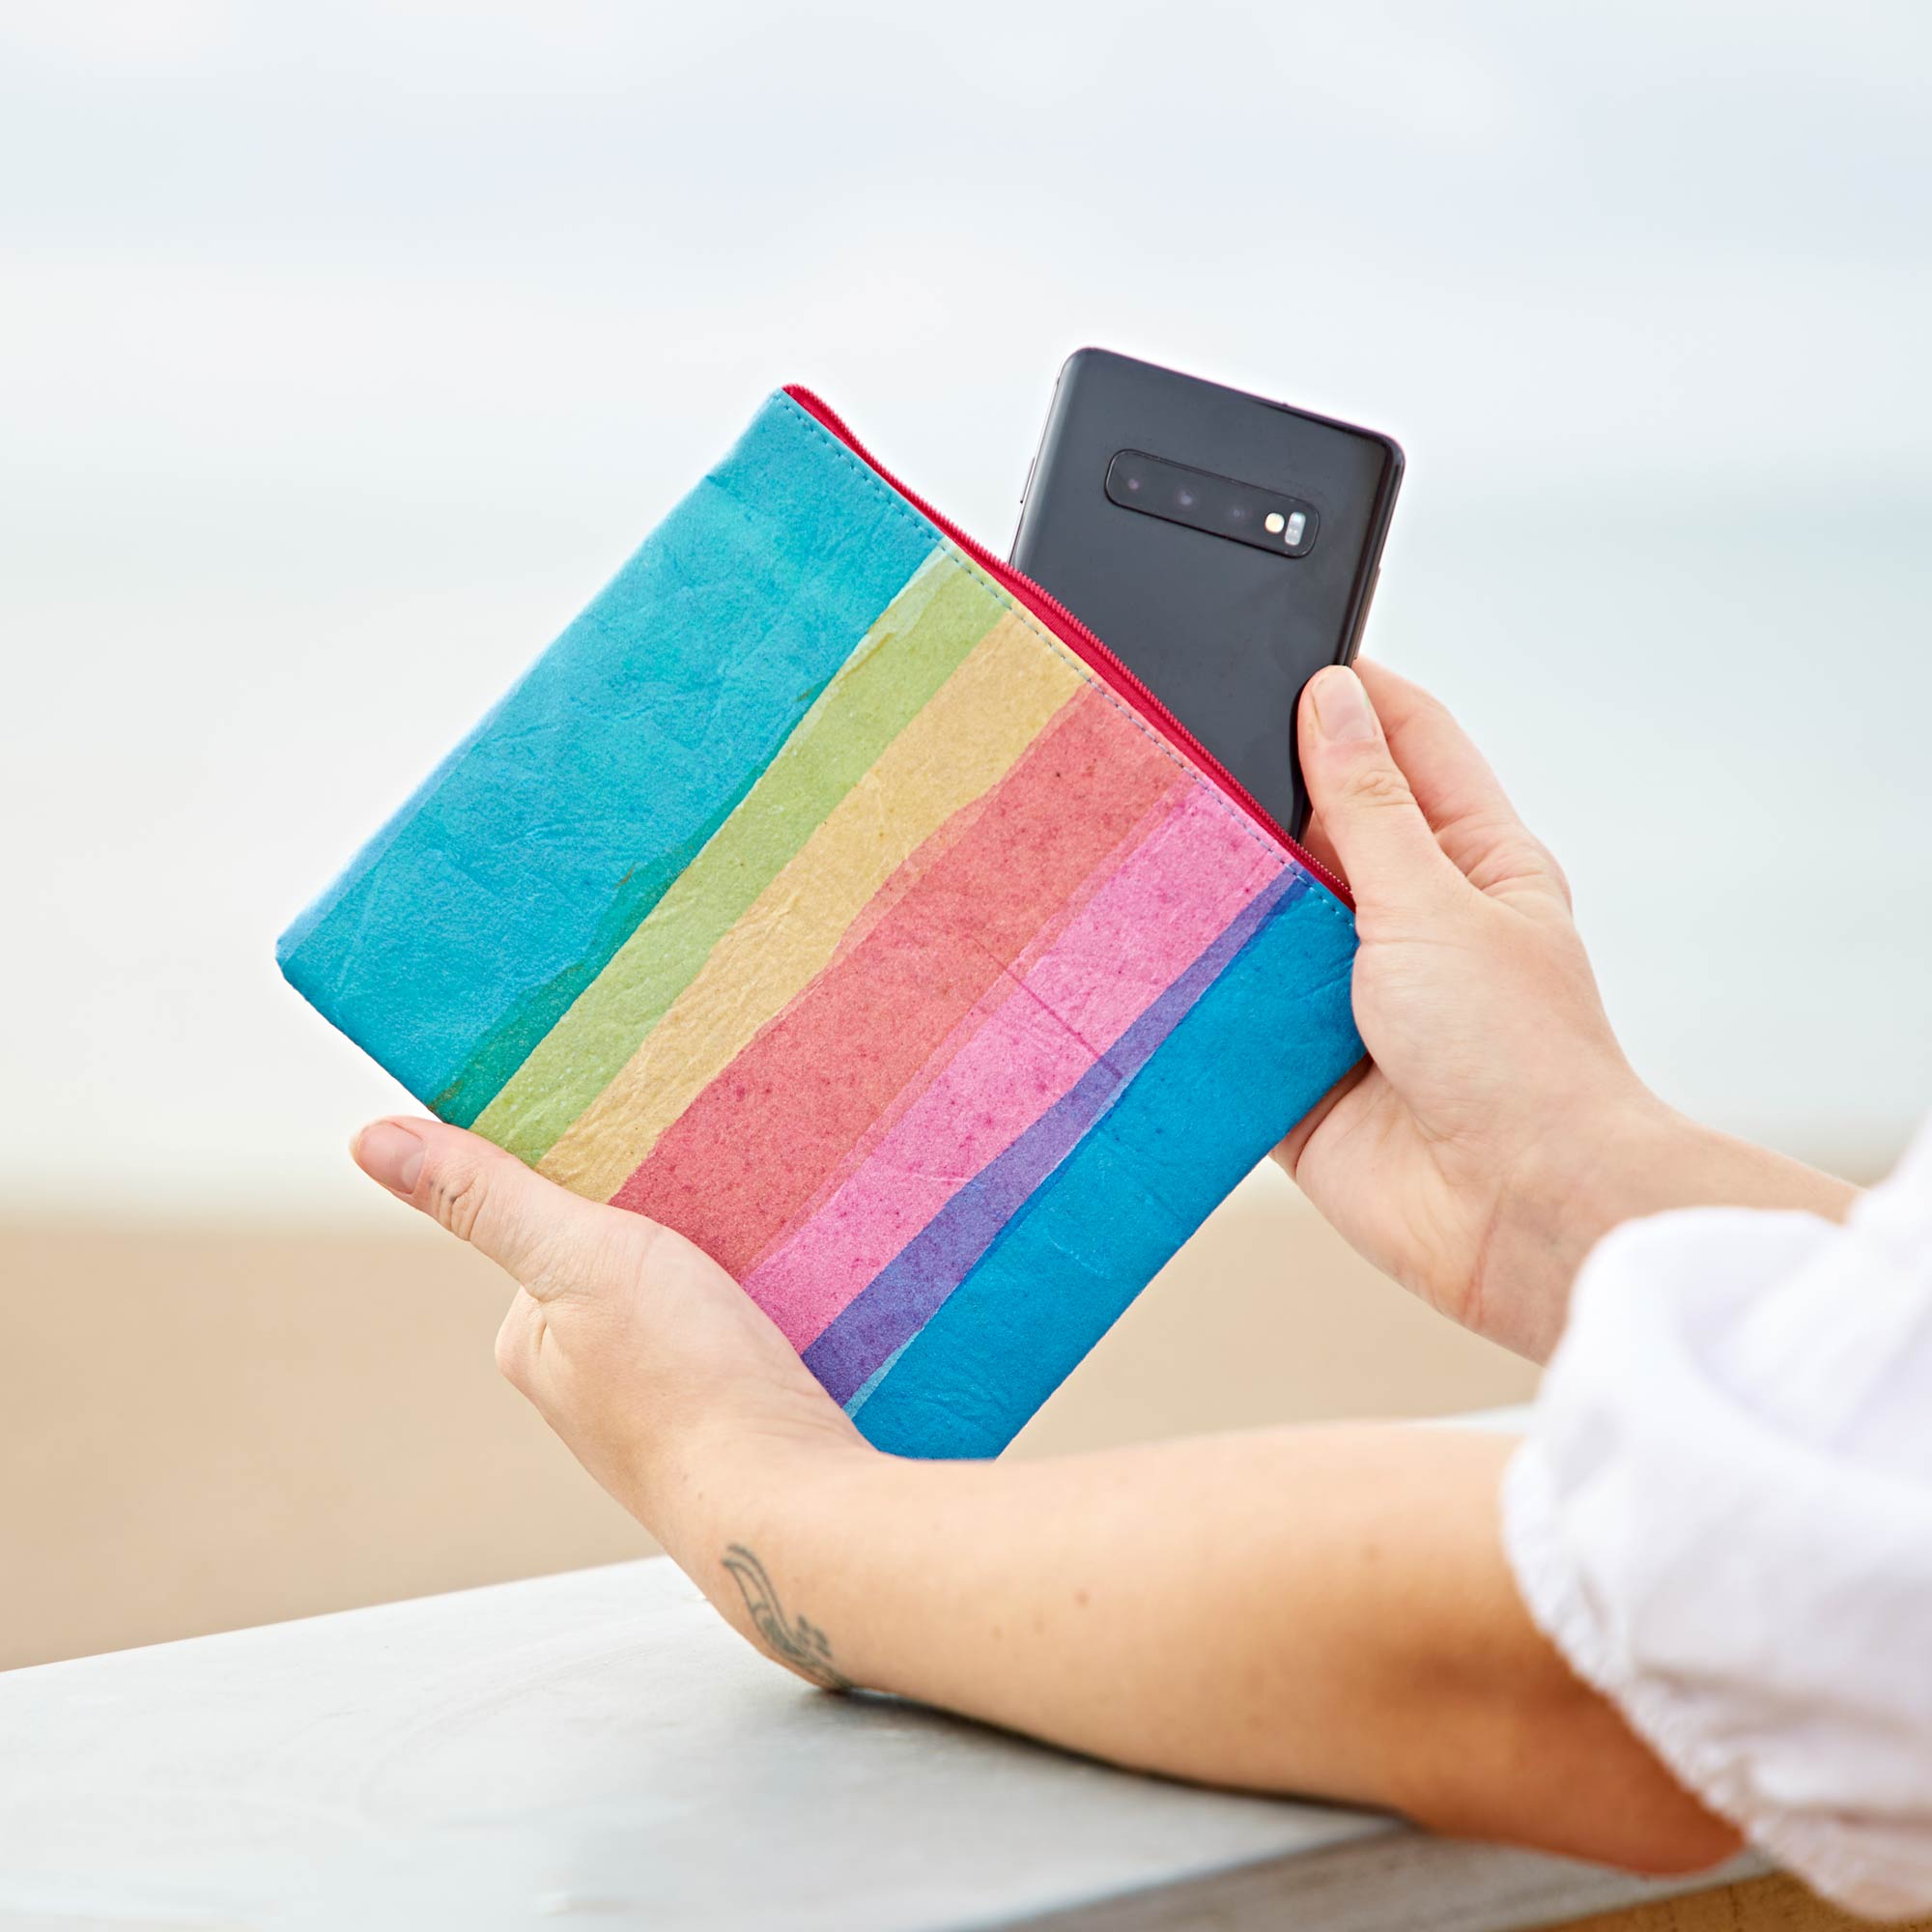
1225, 547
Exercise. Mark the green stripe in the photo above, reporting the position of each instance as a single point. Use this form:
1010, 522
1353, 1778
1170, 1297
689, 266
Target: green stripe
913, 648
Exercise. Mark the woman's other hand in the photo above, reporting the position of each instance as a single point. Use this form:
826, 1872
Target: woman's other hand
1497, 1130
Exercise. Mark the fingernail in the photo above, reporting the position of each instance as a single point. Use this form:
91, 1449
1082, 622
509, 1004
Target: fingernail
1341, 705
389, 1152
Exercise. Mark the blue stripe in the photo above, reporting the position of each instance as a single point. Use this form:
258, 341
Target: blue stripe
1261, 1046
587, 791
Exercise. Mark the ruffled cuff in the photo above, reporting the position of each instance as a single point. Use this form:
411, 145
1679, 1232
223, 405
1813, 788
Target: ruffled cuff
1853, 1870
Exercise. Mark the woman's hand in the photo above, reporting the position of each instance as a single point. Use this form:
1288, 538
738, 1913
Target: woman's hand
661, 1377
1498, 1130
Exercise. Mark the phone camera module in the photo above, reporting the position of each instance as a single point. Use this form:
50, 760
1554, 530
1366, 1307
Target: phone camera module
1225, 507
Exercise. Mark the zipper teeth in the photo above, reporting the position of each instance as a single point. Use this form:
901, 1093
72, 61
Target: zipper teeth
1076, 636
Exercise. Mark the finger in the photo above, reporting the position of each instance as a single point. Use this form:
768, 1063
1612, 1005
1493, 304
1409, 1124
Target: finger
1366, 806
1289, 1152
1459, 795
544, 1236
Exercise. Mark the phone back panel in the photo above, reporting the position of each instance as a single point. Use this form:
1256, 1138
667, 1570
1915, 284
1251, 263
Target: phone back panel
1225, 634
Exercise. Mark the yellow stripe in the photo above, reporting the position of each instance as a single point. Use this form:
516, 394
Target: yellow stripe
956, 749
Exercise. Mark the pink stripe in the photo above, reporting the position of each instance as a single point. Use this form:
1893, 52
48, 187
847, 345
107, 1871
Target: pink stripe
1137, 934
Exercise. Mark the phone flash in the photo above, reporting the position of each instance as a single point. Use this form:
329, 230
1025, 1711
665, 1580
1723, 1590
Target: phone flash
1297, 522
1273, 523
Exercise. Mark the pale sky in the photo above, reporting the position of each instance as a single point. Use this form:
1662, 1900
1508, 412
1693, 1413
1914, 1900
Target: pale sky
345, 350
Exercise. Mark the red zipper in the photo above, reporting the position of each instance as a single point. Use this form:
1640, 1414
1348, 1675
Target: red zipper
1080, 640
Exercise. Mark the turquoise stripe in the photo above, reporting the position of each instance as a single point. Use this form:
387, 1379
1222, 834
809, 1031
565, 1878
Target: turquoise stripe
1259, 1048
467, 926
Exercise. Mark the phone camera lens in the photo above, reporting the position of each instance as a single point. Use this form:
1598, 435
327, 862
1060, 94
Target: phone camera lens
1184, 496
1133, 483
1238, 513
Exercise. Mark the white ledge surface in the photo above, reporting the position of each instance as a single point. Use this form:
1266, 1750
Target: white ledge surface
600, 1746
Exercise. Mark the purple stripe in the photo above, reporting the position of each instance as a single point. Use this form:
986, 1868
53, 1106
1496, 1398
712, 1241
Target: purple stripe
905, 1295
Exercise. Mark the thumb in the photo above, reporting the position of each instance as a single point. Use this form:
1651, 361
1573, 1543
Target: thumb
544, 1236
1359, 794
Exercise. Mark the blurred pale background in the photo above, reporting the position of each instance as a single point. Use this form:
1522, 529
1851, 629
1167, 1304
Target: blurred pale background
345, 350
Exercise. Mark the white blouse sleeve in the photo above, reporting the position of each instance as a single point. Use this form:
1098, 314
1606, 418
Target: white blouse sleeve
1722, 1518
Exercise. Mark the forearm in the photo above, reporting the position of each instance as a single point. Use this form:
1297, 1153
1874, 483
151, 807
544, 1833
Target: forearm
1325, 1611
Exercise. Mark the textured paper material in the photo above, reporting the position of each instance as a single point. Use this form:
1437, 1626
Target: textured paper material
809, 896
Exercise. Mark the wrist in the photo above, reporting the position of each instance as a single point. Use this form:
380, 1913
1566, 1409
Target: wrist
726, 1474
1631, 1156
777, 1528
1565, 1190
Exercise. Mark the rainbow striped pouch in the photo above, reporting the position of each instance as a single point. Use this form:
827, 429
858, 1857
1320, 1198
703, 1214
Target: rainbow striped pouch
831, 894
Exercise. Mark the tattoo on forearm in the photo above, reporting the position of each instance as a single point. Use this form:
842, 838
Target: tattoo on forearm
801, 1645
